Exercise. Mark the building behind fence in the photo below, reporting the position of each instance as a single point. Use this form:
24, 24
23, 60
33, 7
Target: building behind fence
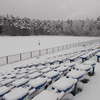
32, 54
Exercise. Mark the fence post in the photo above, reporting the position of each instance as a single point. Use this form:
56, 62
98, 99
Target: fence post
20, 57
7, 59
31, 54
39, 52
46, 51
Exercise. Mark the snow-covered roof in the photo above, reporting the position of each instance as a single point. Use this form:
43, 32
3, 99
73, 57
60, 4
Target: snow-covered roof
37, 82
51, 74
4, 90
46, 95
64, 83
77, 74
16, 93
19, 82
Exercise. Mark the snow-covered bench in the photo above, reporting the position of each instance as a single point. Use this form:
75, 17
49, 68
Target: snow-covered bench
74, 57
88, 55
31, 71
52, 75
16, 94
91, 63
34, 75
4, 90
40, 67
20, 82
38, 85
19, 76
6, 81
85, 67
58, 90
69, 65
54, 66
77, 74
46, 70
12, 75
66, 85
62, 70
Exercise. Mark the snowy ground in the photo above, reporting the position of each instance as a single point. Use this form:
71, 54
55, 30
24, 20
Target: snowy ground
91, 90
16, 45
22, 44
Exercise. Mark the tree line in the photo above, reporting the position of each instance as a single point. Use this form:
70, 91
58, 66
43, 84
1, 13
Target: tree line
17, 26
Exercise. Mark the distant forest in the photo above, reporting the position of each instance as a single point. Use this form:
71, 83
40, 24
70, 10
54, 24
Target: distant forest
16, 26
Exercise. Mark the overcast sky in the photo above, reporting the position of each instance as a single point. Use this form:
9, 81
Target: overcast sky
51, 9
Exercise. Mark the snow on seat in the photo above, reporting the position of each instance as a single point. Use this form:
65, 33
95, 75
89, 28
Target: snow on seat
87, 56
90, 62
84, 56
74, 57
34, 75
7, 81
46, 70
37, 83
12, 75
16, 94
53, 75
19, 76
23, 71
68, 64
64, 84
46, 95
54, 66
20, 82
32, 70
62, 70
83, 67
40, 67
76, 74
4, 90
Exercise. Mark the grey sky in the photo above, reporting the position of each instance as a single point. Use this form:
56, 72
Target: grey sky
51, 9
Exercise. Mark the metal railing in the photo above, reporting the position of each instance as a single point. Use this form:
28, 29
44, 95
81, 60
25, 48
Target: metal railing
32, 54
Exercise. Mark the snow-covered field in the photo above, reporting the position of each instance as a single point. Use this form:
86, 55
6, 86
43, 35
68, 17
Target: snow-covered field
14, 45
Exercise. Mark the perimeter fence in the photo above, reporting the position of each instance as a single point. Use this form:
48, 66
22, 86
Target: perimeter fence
41, 52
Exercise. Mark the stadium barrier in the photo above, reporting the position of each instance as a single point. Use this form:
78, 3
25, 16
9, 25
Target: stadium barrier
32, 54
